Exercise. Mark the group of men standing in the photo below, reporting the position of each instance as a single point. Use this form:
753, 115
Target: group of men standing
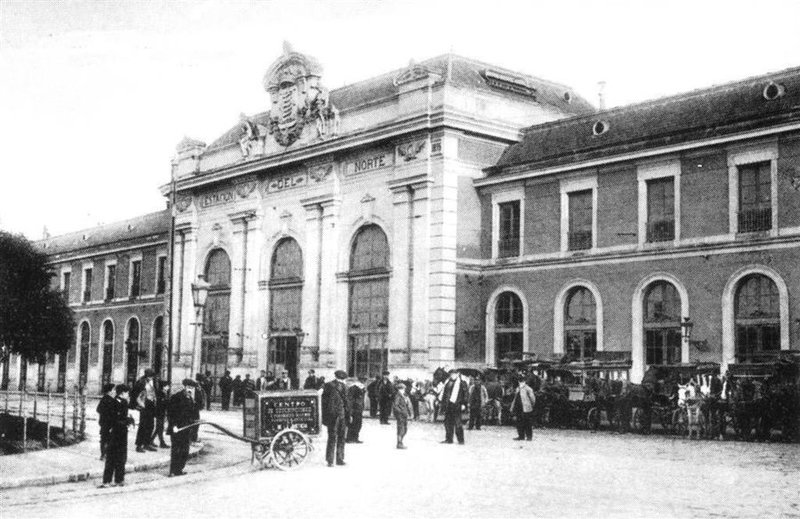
152, 399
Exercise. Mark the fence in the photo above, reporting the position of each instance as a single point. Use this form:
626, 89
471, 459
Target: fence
64, 411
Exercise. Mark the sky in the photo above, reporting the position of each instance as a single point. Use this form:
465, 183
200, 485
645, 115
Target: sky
95, 95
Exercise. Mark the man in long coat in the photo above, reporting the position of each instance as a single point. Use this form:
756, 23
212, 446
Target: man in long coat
355, 394
385, 397
335, 415
144, 399
225, 386
181, 411
117, 447
454, 401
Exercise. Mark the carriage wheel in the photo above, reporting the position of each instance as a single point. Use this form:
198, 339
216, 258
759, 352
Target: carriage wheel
289, 449
593, 418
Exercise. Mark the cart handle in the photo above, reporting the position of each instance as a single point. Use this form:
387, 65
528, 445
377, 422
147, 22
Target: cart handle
219, 427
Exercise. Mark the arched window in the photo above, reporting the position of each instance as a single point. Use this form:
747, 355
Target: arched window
83, 364
369, 302
508, 327
285, 310
287, 261
108, 351
132, 347
158, 345
757, 314
217, 312
662, 324
370, 250
580, 324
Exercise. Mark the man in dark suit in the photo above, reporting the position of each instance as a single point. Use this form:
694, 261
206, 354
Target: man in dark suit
372, 393
355, 394
335, 416
311, 380
117, 447
225, 387
385, 397
181, 412
105, 416
454, 400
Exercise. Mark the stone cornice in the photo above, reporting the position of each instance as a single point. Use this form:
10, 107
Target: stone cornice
441, 119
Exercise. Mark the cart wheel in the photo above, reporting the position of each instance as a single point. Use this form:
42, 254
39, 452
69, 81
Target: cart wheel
289, 449
593, 418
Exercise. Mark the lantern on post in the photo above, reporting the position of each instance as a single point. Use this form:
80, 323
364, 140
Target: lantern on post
199, 296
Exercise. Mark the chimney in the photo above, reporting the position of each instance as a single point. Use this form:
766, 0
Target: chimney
601, 99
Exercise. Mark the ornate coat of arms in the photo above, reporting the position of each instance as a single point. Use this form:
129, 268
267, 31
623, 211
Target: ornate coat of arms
298, 98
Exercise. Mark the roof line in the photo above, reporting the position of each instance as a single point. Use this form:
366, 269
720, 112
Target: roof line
647, 103
101, 226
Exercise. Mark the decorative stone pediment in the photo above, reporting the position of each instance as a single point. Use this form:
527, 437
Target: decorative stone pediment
298, 98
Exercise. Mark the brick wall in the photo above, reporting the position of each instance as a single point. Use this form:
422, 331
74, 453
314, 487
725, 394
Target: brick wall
617, 209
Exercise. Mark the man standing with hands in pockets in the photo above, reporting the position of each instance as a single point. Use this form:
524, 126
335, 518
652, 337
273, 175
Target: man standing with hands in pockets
454, 400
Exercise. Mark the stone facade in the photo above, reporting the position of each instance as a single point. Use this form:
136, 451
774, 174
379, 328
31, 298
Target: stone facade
397, 153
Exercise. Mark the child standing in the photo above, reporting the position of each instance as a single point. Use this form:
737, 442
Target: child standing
401, 408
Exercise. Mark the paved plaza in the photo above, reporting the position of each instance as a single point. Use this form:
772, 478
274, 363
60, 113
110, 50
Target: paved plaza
560, 473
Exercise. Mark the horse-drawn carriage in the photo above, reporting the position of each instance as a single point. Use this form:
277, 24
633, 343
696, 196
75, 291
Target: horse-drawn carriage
763, 397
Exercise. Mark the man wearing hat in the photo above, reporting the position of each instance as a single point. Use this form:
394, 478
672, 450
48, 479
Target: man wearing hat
117, 446
385, 397
180, 412
454, 400
144, 399
335, 416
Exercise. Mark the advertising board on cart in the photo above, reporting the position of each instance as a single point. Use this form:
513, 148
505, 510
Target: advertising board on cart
268, 413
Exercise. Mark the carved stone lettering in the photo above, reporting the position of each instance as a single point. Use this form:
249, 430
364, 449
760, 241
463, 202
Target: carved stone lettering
287, 182
218, 198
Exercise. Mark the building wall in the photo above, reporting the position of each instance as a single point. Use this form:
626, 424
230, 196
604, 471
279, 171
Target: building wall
704, 258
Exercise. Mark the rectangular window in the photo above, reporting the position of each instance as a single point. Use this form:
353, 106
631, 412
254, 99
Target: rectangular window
661, 209
87, 285
755, 197
161, 275
580, 220
111, 281
136, 278
509, 229
65, 284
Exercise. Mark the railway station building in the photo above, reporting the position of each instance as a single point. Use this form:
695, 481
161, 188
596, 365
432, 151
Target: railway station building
330, 227
667, 232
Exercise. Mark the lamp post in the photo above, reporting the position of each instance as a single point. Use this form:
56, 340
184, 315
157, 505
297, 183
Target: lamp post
686, 328
199, 296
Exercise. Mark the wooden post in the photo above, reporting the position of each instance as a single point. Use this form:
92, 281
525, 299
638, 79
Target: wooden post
75, 411
83, 414
24, 423
35, 402
64, 414
21, 399
7, 392
47, 441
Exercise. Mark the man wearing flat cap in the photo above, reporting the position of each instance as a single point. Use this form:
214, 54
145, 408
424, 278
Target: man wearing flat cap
335, 416
385, 397
180, 412
144, 399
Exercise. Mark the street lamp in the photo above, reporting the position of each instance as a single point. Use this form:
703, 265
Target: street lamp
199, 296
686, 328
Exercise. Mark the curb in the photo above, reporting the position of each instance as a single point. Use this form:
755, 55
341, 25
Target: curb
75, 477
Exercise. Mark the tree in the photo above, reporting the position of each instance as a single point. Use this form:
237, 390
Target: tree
34, 318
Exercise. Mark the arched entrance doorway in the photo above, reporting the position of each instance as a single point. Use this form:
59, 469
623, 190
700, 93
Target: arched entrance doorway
216, 316
662, 324
132, 344
369, 303
758, 319
580, 324
83, 355
108, 352
158, 347
508, 327
285, 309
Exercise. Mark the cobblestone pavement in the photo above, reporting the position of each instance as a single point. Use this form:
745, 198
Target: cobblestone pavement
558, 474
